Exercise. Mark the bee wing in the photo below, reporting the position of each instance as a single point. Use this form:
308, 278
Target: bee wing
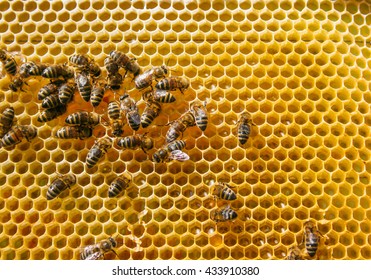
179, 155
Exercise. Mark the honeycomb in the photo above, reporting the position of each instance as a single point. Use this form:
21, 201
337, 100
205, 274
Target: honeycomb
300, 68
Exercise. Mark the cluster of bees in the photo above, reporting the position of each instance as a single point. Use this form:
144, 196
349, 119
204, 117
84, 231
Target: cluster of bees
84, 75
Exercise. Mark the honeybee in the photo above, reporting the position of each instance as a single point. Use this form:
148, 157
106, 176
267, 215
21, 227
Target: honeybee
113, 110
118, 185
19, 79
74, 132
171, 151
97, 151
223, 214
47, 90
83, 119
7, 119
97, 251
145, 80
52, 113
51, 101
114, 81
199, 112
244, 127
17, 133
136, 141
66, 92
61, 183
97, 94
224, 191
151, 111
123, 61
311, 238
173, 83
130, 110
79, 60
37, 69
159, 95
117, 127
178, 126
294, 253
9, 62
55, 71
83, 85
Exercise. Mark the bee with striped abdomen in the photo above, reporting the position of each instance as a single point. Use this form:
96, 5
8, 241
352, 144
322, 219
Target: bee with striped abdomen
199, 112
159, 95
97, 251
151, 111
56, 71
9, 62
114, 110
130, 110
48, 89
125, 62
51, 101
61, 183
80, 61
145, 80
173, 83
16, 134
176, 145
37, 69
118, 185
178, 126
74, 132
19, 79
244, 127
66, 92
171, 151
294, 253
223, 191
7, 120
52, 113
97, 93
311, 238
83, 85
98, 150
135, 141
83, 119
223, 214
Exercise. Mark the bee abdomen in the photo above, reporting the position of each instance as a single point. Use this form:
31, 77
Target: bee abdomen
51, 101
117, 186
243, 133
229, 214
228, 194
93, 157
50, 114
202, 123
96, 96
46, 91
55, 189
65, 93
10, 66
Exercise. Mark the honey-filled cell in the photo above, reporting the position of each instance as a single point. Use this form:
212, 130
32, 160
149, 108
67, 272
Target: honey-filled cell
284, 88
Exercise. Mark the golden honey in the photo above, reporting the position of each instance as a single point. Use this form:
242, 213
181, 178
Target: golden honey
300, 68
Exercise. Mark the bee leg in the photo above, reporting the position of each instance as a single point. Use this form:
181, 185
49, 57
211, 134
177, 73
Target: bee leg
115, 253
